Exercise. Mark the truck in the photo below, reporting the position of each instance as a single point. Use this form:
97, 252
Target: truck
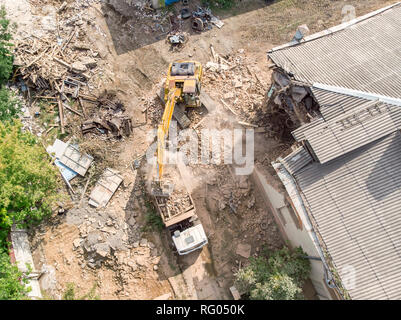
179, 216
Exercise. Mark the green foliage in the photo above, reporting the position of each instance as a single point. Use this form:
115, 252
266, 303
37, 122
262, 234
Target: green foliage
276, 275
289, 262
70, 293
12, 282
6, 57
28, 181
9, 105
278, 287
153, 221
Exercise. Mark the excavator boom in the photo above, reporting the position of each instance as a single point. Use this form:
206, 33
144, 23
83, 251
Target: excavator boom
162, 131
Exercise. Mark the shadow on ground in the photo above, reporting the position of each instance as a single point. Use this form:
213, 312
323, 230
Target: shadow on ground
132, 27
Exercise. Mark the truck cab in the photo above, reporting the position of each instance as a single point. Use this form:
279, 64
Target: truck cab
190, 239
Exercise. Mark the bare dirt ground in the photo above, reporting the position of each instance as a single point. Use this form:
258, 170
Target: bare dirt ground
109, 248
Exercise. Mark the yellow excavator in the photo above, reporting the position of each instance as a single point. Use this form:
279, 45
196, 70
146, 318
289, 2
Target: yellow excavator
182, 86
182, 89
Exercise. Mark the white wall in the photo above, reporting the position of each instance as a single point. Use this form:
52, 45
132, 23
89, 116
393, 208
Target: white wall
295, 236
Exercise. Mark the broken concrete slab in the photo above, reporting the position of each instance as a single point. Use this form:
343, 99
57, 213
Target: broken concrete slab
102, 249
244, 250
235, 293
23, 257
105, 188
77, 243
76, 161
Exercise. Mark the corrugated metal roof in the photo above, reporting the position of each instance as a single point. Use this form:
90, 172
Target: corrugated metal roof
347, 123
353, 129
364, 56
333, 104
355, 202
296, 160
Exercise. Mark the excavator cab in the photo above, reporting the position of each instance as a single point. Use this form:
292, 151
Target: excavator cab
185, 75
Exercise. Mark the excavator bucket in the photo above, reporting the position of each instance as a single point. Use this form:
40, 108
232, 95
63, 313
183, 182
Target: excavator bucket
162, 189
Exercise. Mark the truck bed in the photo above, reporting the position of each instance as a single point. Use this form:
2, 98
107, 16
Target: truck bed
178, 207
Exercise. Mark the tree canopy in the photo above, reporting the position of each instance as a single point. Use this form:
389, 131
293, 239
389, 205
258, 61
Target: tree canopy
276, 275
28, 181
6, 57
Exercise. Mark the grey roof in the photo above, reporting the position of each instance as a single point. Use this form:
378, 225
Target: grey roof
355, 202
363, 56
333, 104
353, 129
297, 159
353, 191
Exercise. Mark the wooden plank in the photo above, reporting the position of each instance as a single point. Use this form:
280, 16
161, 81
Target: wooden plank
61, 114
73, 110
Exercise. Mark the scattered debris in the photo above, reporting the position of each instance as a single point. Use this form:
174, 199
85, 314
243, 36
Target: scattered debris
244, 250
235, 293
178, 39
69, 161
201, 19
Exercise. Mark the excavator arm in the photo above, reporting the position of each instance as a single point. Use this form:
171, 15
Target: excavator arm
162, 130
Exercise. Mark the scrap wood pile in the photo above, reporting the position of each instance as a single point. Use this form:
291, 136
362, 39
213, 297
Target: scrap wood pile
61, 68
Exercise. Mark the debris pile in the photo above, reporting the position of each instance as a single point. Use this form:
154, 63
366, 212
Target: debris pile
240, 89
178, 39
154, 108
61, 69
289, 104
105, 239
203, 19
109, 118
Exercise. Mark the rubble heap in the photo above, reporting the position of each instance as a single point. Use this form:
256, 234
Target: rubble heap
61, 68
240, 89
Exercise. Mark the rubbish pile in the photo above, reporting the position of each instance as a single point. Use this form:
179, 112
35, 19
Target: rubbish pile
289, 104
69, 160
203, 19
178, 39
239, 86
60, 68
109, 119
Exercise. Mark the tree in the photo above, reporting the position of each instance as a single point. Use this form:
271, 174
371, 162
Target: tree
278, 287
275, 275
6, 57
12, 282
9, 105
28, 181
